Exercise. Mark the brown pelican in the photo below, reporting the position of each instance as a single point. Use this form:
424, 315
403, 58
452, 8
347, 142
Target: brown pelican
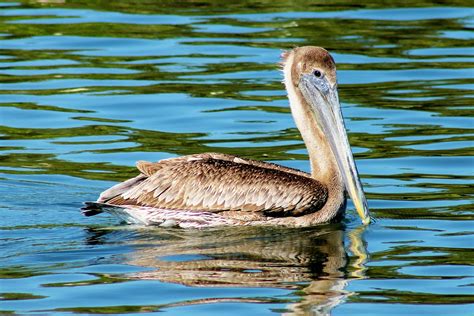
212, 189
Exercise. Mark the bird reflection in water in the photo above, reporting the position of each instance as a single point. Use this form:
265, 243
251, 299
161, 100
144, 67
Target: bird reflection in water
311, 261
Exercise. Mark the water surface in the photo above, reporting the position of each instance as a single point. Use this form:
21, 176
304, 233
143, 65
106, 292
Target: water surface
87, 88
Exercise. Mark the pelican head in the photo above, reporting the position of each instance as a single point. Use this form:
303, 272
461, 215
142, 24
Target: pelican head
310, 77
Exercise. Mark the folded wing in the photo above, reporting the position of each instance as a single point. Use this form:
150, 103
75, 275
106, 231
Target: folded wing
218, 183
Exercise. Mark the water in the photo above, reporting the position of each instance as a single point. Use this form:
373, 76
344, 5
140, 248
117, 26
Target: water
87, 88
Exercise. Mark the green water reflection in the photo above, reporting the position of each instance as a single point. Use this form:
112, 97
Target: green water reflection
89, 87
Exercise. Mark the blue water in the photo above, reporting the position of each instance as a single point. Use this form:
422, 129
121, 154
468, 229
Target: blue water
88, 88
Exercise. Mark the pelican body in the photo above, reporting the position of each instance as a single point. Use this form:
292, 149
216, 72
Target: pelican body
212, 189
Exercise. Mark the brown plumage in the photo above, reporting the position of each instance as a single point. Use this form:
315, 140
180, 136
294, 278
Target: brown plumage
214, 189
218, 183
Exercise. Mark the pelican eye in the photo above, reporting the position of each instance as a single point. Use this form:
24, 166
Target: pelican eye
317, 74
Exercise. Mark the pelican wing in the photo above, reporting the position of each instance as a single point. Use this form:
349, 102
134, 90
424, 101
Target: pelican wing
218, 183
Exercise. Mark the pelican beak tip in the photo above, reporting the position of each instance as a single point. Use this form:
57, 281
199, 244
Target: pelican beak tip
366, 221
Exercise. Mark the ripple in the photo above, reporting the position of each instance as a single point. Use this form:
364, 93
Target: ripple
87, 89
